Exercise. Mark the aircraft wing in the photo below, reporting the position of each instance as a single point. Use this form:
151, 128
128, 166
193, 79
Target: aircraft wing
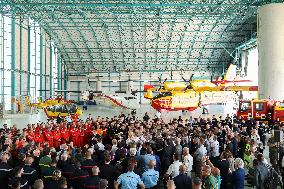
228, 88
66, 91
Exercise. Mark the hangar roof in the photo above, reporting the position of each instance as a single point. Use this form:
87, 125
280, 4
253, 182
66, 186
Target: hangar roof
143, 35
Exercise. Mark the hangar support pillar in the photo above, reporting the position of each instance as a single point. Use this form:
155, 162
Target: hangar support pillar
129, 86
98, 86
270, 32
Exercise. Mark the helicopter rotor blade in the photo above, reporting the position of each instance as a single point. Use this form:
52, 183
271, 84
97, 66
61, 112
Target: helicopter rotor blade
191, 77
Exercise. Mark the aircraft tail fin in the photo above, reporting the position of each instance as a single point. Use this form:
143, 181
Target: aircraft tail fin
146, 87
231, 73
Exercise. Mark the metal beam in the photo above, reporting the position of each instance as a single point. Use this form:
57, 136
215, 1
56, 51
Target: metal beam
117, 25
131, 5
13, 61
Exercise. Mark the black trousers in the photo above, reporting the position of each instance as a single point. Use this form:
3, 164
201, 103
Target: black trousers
154, 187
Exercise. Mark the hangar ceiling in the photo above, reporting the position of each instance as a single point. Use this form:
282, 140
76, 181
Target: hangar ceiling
143, 35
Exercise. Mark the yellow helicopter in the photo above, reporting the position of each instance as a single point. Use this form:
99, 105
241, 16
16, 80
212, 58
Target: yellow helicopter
56, 106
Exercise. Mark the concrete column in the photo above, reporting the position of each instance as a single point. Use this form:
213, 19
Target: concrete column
68, 85
271, 51
99, 86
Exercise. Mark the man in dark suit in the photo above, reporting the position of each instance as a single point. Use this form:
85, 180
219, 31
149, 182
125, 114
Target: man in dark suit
167, 155
223, 165
108, 172
183, 179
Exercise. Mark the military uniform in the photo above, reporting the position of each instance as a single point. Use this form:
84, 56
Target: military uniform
87, 165
30, 174
77, 180
261, 132
92, 182
150, 178
44, 163
129, 180
47, 174
5, 171
23, 182
272, 152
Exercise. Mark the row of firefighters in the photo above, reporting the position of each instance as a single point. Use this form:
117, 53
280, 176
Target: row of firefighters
60, 135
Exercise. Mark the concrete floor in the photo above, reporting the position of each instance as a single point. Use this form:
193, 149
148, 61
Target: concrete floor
109, 111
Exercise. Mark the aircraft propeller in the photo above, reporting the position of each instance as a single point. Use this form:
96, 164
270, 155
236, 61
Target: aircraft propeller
162, 83
188, 82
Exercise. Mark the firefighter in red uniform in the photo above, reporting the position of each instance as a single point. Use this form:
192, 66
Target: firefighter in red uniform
74, 135
65, 134
87, 133
56, 138
39, 137
75, 118
30, 135
81, 137
48, 137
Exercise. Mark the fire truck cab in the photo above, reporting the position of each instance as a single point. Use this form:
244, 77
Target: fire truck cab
261, 110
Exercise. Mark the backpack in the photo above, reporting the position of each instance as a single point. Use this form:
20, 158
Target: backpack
272, 179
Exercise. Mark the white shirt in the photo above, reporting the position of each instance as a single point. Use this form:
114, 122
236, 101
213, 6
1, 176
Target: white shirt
200, 153
214, 149
68, 119
174, 169
188, 162
256, 138
101, 146
113, 148
133, 139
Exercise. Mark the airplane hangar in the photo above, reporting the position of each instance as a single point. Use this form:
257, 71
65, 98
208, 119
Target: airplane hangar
68, 47
136, 74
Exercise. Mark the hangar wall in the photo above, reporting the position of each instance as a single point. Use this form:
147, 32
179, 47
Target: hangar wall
118, 82
29, 62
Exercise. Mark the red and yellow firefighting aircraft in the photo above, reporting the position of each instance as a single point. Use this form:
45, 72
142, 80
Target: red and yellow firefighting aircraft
190, 95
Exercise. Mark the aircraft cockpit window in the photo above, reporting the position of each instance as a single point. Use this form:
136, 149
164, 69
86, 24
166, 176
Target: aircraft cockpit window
72, 108
163, 95
58, 109
64, 109
259, 106
51, 108
167, 94
158, 96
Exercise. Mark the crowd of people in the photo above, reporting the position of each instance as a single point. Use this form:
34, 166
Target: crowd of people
126, 152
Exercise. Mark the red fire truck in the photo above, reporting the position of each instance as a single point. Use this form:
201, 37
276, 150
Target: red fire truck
261, 110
